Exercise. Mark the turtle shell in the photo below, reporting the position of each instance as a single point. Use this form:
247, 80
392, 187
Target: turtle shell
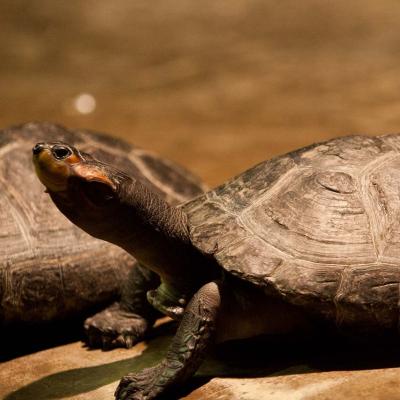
49, 268
319, 227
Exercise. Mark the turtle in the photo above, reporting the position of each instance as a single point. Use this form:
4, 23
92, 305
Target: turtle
306, 237
50, 270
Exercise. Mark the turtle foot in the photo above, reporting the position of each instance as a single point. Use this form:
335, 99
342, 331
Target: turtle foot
144, 385
168, 305
115, 327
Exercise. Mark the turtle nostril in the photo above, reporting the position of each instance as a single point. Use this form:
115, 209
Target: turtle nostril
61, 152
38, 148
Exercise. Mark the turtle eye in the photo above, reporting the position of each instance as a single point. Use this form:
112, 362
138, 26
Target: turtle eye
61, 152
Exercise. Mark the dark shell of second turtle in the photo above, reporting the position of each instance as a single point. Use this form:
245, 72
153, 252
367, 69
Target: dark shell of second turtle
49, 268
319, 227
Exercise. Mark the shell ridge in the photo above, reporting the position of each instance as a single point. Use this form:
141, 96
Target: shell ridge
362, 300
250, 226
152, 178
8, 147
211, 199
390, 140
242, 218
274, 189
18, 215
371, 207
389, 156
340, 293
88, 142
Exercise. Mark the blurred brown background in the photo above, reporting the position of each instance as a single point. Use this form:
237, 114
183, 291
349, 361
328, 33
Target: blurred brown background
214, 85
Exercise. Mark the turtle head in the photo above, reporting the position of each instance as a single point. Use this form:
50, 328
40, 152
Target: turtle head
85, 190
113, 206
54, 163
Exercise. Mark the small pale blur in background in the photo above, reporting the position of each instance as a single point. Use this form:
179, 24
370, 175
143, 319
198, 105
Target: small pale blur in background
215, 85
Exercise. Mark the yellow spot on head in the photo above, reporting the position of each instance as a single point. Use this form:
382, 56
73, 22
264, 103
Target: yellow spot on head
52, 173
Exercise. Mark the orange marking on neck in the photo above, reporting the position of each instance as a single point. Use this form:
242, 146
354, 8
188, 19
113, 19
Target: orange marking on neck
92, 173
73, 159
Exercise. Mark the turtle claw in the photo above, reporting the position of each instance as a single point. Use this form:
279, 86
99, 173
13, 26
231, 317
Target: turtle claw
114, 327
140, 386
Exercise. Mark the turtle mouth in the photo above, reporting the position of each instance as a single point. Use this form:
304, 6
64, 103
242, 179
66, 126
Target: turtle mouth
53, 165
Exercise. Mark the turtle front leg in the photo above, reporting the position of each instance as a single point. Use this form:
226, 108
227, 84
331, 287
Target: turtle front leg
186, 352
125, 323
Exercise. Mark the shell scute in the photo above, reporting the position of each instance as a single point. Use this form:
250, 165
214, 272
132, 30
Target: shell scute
211, 229
101, 140
243, 190
33, 289
309, 285
380, 189
248, 259
305, 220
177, 177
351, 151
368, 297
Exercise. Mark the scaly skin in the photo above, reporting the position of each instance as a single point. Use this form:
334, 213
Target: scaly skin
186, 352
125, 323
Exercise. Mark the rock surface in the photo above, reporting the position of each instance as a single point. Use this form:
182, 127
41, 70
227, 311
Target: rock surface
74, 372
